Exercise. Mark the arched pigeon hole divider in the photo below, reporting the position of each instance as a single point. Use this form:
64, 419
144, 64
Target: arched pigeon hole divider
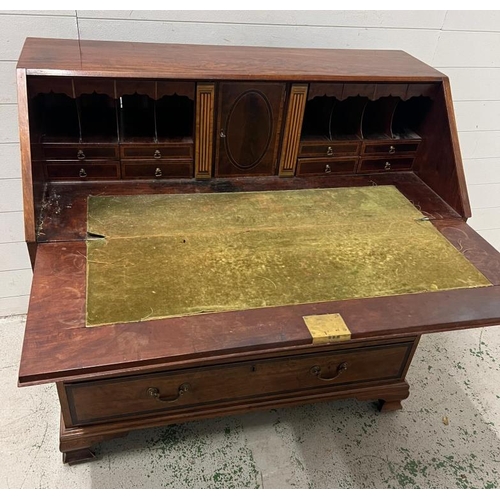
97, 108
54, 110
408, 117
174, 111
377, 118
317, 118
137, 110
329, 118
156, 111
345, 122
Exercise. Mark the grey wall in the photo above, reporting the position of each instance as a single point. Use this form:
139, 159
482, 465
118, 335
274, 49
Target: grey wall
464, 45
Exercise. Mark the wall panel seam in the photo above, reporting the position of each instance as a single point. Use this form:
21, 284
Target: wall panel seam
461, 131
11, 242
15, 269
441, 68
13, 297
235, 23
271, 25
30, 14
488, 229
476, 100
487, 184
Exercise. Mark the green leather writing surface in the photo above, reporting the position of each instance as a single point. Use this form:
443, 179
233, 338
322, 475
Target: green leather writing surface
157, 256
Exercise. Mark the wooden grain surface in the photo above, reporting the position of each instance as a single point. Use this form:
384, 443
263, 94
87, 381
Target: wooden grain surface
80, 438
65, 207
292, 130
117, 398
58, 346
24, 138
46, 56
205, 103
459, 167
438, 161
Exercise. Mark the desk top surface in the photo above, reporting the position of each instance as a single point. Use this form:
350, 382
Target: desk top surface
47, 56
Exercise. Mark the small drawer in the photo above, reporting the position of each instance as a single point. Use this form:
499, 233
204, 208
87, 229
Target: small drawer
386, 164
80, 152
389, 147
327, 166
309, 149
58, 170
158, 151
156, 169
132, 396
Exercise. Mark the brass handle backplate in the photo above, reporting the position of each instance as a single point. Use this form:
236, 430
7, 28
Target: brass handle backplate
157, 154
82, 173
80, 155
316, 371
387, 166
328, 169
392, 150
222, 134
154, 392
158, 172
329, 151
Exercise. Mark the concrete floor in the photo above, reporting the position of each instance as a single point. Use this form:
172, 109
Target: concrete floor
343, 444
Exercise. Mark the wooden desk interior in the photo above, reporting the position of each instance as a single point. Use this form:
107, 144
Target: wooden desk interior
113, 120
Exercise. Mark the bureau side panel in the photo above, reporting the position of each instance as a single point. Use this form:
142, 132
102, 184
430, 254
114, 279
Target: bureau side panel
24, 139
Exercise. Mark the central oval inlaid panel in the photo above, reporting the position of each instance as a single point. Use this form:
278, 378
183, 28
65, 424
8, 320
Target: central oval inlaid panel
249, 129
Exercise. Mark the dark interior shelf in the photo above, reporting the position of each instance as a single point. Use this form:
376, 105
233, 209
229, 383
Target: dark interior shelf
98, 118
56, 116
327, 118
89, 111
174, 117
377, 118
331, 119
137, 118
409, 116
144, 119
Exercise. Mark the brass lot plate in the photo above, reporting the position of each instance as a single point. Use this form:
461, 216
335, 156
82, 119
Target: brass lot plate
325, 328
173, 255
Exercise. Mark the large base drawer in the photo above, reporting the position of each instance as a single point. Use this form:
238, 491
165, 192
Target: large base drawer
125, 397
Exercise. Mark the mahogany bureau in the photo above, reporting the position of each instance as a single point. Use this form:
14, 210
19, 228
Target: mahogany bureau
117, 119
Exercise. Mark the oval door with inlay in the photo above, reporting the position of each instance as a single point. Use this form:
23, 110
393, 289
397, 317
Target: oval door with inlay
248, 128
